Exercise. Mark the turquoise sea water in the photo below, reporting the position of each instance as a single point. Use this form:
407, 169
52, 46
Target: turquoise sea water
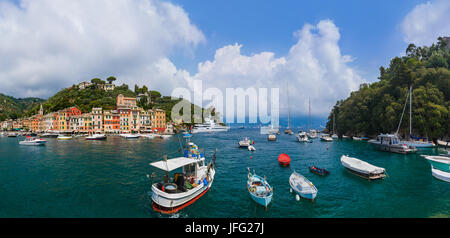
80, 178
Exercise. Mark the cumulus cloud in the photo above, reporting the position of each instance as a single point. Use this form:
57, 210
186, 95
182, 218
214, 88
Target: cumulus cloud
46, 45
426, 22
314, 68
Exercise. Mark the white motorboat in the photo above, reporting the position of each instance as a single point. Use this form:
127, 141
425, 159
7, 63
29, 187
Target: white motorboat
326, 138
209, 126
130, 136
362, 168
345, 137
312, 134
171, 195
272, 137
165, 136
334, 136
12, 134
302, 186
251, 148
246, 142
149, 136
96, 137
64, 137
356, 138
32, 141
302, 137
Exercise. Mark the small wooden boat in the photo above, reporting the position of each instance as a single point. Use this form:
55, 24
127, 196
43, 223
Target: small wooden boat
302, 186
319, 171
362, 168
284, 159
272, 137
259, 189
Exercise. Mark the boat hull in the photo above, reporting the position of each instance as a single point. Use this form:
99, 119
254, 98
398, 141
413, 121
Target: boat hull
311, 195
170, 210
393, 149
172, 203
32, 143
441, 175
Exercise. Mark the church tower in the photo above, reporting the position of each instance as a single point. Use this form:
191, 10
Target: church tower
41, 111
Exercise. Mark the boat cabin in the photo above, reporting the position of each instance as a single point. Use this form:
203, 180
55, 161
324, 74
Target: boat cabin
388, 139
191, 175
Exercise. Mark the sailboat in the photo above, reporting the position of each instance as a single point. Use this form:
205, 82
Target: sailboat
416, 141
288, 129
334, 136
311, 132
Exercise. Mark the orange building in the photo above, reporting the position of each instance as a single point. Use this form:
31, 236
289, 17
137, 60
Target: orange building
125, 101
111, 121
158, 120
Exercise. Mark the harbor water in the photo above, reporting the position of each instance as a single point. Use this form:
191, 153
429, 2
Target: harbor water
79, 178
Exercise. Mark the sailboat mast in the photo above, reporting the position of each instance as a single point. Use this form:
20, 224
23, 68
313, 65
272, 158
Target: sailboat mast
309, 114
410, 111
289, 108
334, 118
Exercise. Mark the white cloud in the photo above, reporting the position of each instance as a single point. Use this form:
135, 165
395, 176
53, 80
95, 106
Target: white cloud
426, 22
314, 67
46, 45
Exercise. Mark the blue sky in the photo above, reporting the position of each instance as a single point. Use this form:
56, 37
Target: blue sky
370, 30
322, 49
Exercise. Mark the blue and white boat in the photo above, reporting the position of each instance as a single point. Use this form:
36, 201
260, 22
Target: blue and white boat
302, 186
258, 188
440, 166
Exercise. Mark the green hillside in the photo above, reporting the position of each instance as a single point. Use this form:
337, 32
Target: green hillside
13, 108
377, 107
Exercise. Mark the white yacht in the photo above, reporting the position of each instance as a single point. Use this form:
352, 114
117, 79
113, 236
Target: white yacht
302, 137
209, 126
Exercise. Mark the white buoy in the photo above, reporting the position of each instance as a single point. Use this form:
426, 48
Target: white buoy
297, 197
290, 190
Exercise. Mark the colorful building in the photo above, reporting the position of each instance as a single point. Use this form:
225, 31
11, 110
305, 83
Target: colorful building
111, 121
97, 119
158, 120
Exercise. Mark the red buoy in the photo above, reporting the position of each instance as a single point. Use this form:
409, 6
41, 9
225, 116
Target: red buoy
284, 159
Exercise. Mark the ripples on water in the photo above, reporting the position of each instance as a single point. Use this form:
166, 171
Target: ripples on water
80, 178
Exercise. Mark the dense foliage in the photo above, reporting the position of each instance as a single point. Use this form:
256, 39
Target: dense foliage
12, 108
377, 107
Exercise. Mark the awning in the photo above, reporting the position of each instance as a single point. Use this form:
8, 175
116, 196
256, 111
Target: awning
172, 164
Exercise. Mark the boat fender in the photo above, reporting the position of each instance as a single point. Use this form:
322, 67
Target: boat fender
205, 182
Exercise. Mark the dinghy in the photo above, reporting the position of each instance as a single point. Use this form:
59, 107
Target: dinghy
96, 137
258, 188
319, 171
251, 148
246, 142
302, 186
64, 137
362, 168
